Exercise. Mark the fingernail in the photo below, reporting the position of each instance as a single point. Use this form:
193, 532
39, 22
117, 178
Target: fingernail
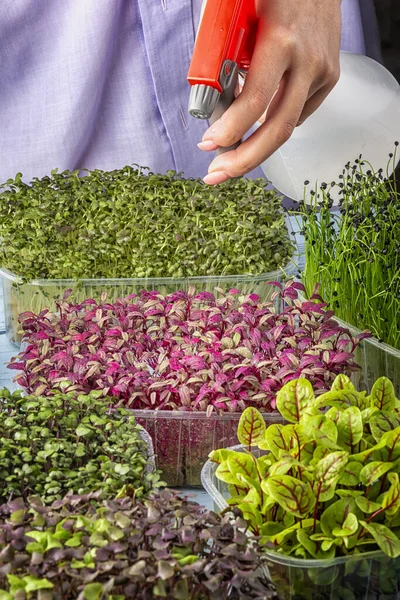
208, 146
215, 178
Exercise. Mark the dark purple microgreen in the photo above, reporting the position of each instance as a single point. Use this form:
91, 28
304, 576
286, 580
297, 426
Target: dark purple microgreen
167, 546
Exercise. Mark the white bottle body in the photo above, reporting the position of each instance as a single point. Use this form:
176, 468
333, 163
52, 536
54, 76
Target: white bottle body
360, 116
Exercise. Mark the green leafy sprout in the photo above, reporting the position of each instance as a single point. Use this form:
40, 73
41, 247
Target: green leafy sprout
327, 483
70, 442
354, 252
131, 223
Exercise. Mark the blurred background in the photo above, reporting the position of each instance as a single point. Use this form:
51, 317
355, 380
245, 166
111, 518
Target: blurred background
388, 13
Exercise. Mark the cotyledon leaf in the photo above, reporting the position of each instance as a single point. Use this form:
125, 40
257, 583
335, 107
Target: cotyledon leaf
336, 514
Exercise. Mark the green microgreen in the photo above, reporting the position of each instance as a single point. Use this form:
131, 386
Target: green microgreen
69, 442
331, 473
133, 223
354, 252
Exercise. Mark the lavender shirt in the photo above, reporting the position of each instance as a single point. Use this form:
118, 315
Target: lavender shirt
102, 84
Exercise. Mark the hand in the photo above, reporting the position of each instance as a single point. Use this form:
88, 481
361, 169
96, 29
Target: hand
294, 67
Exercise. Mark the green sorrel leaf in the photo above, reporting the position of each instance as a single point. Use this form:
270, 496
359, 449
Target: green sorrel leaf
350, 427
251, 429
387, 541
351, 474
382, 394
292, 495
382, 422
373, 471
294, 399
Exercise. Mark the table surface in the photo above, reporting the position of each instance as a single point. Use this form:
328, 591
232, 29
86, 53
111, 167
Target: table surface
8, 350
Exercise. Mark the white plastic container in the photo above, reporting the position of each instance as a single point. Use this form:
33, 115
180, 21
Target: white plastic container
360, 116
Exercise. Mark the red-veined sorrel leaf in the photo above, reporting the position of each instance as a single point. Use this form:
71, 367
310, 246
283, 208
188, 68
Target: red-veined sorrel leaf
342, 399
331, 467
342, 382
387, 541
373, 471
391, 499
241, 463
382, 394
391, 440
251, 429
291, 494
294, 399
382, 422
275, 440
350, 427
347, 528
351, 474
335, 516
367, 506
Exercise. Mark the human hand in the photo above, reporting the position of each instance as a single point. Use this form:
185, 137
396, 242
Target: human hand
294, 67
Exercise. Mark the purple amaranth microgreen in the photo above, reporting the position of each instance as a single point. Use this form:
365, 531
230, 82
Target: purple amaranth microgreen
186, 351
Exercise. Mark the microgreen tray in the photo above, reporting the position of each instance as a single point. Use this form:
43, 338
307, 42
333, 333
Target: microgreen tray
375, 359
183, 440
41, 293
367, 576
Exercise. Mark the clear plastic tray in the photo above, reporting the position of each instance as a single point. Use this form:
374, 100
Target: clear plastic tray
375, 359
151, 461
183, 440
368, 576
41, 293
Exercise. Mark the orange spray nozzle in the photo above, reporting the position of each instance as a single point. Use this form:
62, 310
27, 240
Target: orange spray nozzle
224, 46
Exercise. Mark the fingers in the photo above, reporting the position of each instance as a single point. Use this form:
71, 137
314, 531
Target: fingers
267, 69
276, 130
315, 101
